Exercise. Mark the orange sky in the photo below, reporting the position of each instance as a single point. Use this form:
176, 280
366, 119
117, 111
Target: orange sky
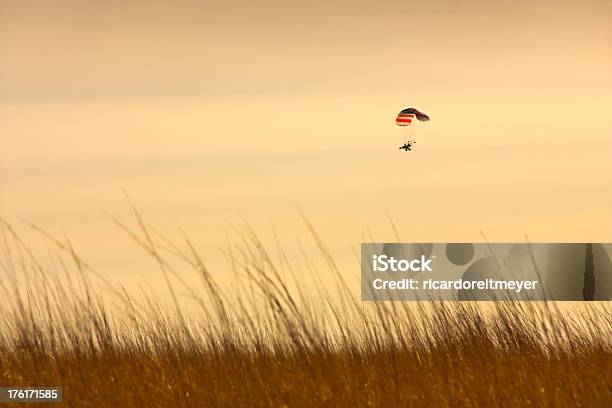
207, 110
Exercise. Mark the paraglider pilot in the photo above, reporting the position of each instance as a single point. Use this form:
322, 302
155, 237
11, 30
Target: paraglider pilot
407, 146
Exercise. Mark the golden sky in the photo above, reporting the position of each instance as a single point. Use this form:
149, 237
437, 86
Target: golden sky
206, 110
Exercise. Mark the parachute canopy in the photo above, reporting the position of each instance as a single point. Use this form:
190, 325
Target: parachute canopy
405, 117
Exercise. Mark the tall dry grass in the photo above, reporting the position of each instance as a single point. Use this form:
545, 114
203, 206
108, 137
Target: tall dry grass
270, 342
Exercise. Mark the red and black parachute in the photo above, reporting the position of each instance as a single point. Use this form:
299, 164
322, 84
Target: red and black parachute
406, 116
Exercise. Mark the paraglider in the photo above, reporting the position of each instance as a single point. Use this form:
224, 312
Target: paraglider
406, 118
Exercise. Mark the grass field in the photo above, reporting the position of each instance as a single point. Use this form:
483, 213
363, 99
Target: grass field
273, 343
